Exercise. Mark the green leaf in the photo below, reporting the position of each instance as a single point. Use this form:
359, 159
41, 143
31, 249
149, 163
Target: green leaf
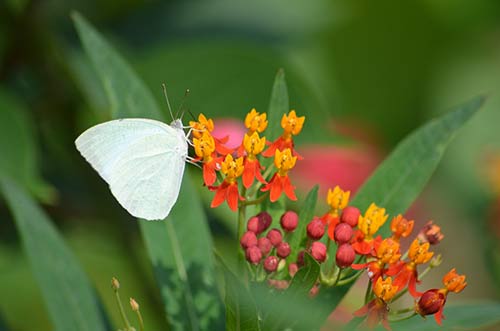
127, 94
68, 294
19, 160
278, 105
402, 176
180, 251
305, 278
306, 214
458, 317
180, 248
241, 311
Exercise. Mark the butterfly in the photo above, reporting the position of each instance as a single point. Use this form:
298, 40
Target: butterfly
142, 160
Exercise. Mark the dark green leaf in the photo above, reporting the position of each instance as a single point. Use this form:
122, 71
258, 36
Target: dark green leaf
306, 214
180, 248
278, 106
67, 292
402, 176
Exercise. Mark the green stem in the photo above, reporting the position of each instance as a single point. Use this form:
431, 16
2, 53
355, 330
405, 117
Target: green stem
122, 311
403, 318
350, 278
403, 311
368, 291
141, 322
241, 230
256, 201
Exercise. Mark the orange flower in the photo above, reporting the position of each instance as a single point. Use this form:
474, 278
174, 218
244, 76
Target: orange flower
368, 225
454, 282
292, 125
253, 145
386, 252
207, 125
280, 182
204, 148
228, 190
337, 199
401, 227
254, 121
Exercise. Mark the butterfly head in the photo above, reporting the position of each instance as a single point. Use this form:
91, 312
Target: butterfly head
177, 124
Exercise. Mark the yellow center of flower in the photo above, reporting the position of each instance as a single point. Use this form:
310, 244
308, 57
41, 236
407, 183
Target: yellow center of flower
373, 219
291, 124
388, 251
419, 253
454, 282
204, 146
253, 144
232, 168
284, 161
254, 121
401, 227
201, 126
384, 289
338, 198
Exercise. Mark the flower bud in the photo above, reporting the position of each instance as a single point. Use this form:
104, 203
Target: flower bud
265, 220
278, 284
115, 284
431, 302
315, 229
283, 250
134, 305
430, 233
271, 263
248, 239
289, 221
265, 245
318, 251
343, 233
259, 223
345, 255
253, 254
300, 259
274, 235
292, 269
350, 215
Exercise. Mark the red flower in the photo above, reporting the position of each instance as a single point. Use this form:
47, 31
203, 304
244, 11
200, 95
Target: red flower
228, 190
280, 182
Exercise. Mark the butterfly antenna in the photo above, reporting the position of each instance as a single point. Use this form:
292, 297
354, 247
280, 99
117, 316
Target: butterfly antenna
168, 102
190, 113
186, 94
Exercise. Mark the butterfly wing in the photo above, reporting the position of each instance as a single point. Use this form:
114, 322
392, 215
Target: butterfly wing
142, 161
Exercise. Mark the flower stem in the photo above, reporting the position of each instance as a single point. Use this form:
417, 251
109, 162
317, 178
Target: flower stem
403, 318
254, 202
122, 311
368, 291
350, 278
241, 229
141, 322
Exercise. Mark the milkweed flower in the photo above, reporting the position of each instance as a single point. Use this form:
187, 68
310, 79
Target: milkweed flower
337, 199
205, 124
204, 148
377, 310
228, 190
292, 125
401, 227
253, 145
255, 122
280, 182
386, 253
368, 225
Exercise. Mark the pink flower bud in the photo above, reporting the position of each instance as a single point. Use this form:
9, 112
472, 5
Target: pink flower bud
318, 251
300, 259
259, 223
345, 255
289, 221
283, 249
248, 239
343, 233
278, 284
315, 229
292, 269
253, 255
274, 235
265, 245
350, 215
271, 263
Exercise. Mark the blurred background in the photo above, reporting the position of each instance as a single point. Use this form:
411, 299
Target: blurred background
364, 73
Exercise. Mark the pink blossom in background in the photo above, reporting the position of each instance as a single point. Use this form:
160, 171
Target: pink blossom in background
229, 127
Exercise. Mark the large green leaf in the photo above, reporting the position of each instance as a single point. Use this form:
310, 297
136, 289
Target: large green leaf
68, 294
180, 247
278, 105
402, 176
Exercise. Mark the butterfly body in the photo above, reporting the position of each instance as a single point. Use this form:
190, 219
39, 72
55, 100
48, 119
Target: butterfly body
142, 160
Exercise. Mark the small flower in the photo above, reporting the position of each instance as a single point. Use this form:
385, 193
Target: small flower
253, 145
454, 282
255, 122
318, 251
401, 227
289, 221
386, 253
264, 245
228, 190
315, 229
204, 148
115, 284
350, 215
345, 255
385, 289
368, 225
292, 125
430, 233
203, 125
134, 305
338, 198
280, 182
271, 263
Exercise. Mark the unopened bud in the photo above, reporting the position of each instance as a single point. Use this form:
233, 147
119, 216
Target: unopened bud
283, 249
431, 302
430, 233
271, 263
292, 269
345, 255
115, 284
274, 235
316, 229
289, 221
278, 284
259, 223
253, 254
265, 245
248, 239
343, 233
134, 305
436, 261
350, 215
318, 251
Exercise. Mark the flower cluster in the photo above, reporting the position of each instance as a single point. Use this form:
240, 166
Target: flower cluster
245, 161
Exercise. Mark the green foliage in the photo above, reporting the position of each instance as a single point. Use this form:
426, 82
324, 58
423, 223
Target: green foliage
180, 248
68, 295
278, 105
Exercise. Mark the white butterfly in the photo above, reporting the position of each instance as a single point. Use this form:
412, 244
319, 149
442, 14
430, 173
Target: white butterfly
142, 160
